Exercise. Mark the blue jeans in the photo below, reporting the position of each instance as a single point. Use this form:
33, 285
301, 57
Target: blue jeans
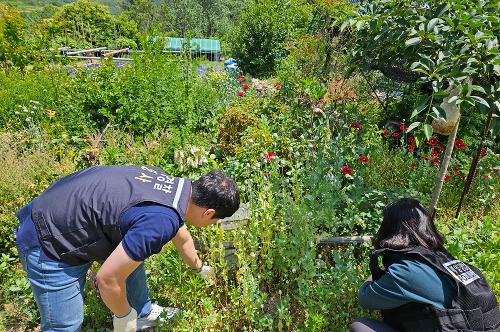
58, 290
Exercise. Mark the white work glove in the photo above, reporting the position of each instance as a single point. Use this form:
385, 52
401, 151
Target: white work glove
207, 273
126, 323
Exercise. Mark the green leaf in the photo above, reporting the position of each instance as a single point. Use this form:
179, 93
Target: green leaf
481, 101
432, 24
427, 131
413, 41
420, 107
412, 126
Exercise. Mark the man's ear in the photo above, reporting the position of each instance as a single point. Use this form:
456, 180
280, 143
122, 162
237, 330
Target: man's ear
209, 213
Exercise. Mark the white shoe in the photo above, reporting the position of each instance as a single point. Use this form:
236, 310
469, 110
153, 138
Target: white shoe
153, 318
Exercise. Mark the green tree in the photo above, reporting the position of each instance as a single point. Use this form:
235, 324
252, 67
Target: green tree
83, 23
13, 46
143, 12
259, 39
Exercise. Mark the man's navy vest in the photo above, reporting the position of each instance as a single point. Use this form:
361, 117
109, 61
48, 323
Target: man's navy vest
474, 306
77, 218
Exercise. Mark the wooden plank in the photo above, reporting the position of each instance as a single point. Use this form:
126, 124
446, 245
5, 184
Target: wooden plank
94, 58
344, 240
115, 52
85, 51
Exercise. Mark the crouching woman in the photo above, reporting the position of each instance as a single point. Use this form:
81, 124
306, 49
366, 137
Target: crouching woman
420, 286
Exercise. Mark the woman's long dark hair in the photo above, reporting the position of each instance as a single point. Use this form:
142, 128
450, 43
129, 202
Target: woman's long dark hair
407, 223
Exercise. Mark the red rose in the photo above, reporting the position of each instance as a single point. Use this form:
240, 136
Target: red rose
434, 153
395, 134
364, 159
411, 147
447, 178
355, 125
346, 170
240, 94
246, 86
402, 127
270, 156
385, 132
433, 141
413, 165
460, 144
441, 148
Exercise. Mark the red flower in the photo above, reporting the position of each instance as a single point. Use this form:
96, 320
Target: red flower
355, 125
447, 178
395, 134
484, 151
411, 147
246, 86
433, 141
435, 159
403, 127
413, 165
346, 170
364, 159
277, 85
486, 175
240, 94
363, 109
460, 144
436, 163
434, 153
242, 78
411, 139
441, 148
385, 132
270, 156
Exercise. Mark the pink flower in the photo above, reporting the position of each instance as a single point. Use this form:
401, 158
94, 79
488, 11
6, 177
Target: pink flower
240, 94
246, 86
270, 156
242, 78
364, 159
356, 125
346, 170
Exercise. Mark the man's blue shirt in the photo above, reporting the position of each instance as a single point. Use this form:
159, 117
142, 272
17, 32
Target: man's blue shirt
407, 280
146, 228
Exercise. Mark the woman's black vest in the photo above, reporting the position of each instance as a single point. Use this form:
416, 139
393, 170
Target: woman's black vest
474, 306
77, 218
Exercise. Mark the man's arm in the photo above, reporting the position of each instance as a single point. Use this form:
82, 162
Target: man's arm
185, 247
111, 280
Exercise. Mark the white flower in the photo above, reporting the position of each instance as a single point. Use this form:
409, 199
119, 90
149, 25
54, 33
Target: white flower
212, 156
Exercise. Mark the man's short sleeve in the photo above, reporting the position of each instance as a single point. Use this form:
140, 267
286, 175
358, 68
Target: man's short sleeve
147, 228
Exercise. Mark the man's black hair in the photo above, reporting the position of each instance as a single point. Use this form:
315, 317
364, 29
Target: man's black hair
407, 223
217, 191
